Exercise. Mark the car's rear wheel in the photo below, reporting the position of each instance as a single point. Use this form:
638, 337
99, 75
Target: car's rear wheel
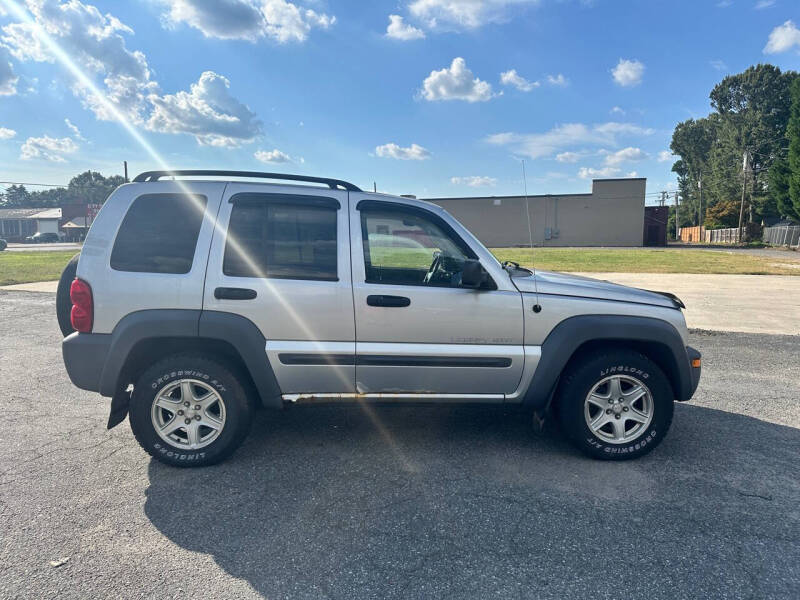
615, 405
189, 411
63, 302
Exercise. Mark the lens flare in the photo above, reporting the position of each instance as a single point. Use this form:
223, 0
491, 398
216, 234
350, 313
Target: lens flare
84, 80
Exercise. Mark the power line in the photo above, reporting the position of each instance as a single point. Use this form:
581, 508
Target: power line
56, 185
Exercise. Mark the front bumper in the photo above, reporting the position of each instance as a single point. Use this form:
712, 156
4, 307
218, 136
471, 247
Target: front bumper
694, 359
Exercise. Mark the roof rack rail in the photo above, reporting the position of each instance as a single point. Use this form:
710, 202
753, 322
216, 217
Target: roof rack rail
331, 183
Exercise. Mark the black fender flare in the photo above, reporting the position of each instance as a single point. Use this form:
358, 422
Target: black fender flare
241, 333
569, 335
237, 331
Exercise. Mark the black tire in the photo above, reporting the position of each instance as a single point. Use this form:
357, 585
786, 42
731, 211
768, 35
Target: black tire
209, 371
3, 245
63, 302
582, 377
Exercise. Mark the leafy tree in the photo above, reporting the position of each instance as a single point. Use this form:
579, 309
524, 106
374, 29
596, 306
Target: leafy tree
723, 214
751, 112
779, 175
16, 196
89, 187
793, 133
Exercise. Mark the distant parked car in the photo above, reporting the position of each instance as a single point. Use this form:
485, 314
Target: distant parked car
3, 244
42, 238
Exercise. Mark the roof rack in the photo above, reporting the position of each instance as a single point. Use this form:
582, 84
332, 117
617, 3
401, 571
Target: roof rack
331, 183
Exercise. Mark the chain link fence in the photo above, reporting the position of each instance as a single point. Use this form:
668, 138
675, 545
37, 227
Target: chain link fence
784, 235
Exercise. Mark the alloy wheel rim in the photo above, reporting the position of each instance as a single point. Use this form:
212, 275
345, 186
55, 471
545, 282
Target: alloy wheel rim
188, 414
618, 409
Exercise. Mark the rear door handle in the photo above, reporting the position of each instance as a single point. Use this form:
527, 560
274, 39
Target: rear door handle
232, 293
388, 301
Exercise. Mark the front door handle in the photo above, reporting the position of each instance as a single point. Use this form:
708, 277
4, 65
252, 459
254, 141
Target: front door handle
232, 293
388, 301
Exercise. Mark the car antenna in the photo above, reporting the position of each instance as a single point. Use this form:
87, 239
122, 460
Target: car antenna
537, 308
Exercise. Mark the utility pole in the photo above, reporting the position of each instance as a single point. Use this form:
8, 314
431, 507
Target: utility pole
663, 200
125, 164
677, 219
745, 166
700, 205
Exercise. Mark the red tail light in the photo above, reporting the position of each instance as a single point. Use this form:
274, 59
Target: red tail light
82, 314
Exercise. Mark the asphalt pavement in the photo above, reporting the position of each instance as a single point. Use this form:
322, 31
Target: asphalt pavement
400, 502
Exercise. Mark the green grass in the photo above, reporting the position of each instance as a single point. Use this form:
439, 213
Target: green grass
26, 267
649, 260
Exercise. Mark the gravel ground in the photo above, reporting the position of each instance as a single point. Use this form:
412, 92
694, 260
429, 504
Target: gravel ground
400, 502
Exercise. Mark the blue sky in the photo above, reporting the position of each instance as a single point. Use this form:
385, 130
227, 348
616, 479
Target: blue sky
428, 97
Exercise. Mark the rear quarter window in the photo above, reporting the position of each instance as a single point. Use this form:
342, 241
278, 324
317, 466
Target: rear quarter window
159, 234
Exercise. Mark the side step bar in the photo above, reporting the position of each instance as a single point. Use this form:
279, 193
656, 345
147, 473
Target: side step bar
399, 397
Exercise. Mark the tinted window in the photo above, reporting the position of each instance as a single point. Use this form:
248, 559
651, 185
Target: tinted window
409, 249
159, 234
281, 241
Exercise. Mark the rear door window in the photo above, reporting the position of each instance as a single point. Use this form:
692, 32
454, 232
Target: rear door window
159, 234
282, 237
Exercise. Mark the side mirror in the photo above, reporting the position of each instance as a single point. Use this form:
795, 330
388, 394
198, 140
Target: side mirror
473, 275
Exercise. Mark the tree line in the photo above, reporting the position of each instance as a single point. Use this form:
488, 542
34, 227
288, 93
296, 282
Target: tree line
748, 146
89, 187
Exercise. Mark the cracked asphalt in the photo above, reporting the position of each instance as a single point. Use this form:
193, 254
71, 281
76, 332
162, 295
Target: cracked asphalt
401, 502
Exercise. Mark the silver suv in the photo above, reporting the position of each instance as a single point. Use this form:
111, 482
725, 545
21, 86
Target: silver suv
194, 301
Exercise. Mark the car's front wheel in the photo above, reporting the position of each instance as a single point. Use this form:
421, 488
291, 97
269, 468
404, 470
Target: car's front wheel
189, 411
615, 405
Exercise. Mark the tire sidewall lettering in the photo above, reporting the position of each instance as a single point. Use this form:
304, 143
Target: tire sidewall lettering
633, 447
171, 453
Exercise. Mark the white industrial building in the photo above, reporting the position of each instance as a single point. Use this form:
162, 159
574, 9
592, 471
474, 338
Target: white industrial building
18, 223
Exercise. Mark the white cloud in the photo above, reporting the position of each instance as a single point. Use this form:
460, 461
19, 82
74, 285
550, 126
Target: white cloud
617, 111
632, 174
568, 157
664, 156
207, 111
628, 73
47, 148
783, 38
462, 14
249, 20
6, 133
613, 128
557, 80
629, 154
400, 30
455, 83
513, 78
589, 173
8, 81
412, 152
95, 42
762, 4
272, 156
538, 145
474, 181
74, 129
719, 65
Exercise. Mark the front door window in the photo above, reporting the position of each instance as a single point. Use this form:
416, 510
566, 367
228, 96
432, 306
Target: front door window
408, 248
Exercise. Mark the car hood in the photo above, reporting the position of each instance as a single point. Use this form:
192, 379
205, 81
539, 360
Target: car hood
561, 284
